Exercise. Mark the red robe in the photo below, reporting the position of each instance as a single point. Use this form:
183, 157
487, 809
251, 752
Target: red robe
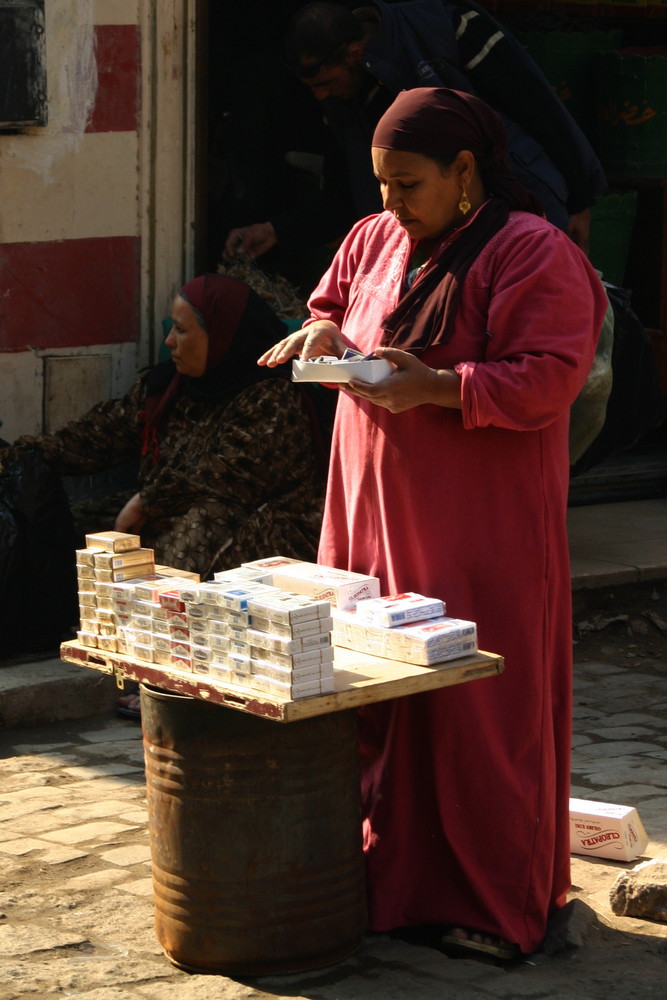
465, 790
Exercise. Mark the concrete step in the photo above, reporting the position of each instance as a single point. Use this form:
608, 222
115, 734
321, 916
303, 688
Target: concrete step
41, 692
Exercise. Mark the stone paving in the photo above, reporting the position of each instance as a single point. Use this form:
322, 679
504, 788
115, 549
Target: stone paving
76, 913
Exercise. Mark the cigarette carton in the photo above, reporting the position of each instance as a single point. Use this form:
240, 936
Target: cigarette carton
327, 369
397, 609
605, 830
435, 640
113, 541
324, 583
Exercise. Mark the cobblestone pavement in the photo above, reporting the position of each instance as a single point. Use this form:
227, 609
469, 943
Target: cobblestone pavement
76, 913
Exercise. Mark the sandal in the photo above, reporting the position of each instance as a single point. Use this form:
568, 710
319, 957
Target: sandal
128, 706
489, 945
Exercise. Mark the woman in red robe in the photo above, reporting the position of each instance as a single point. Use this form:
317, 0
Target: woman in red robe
450, 478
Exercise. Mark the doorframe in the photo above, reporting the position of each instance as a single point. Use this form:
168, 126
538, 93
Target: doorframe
172, 143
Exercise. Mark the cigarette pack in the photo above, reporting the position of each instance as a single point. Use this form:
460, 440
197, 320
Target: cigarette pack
281, 606
235, 617
216, 626
180, 573
172, 599
398, 609
198, 626
113, 541
287, 645
286, 689
181, 661
328, 369
240, 664
324, 583
236, 597
242, 573
114, 560
125, 574
218, 643
605, 830
107, 642
297, 630
274, 671
85, 557
87, 639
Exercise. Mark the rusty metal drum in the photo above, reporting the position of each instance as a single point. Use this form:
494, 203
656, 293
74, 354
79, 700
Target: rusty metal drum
255, 831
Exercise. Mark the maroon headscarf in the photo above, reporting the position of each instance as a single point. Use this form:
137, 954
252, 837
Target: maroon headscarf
439, 123
240, 326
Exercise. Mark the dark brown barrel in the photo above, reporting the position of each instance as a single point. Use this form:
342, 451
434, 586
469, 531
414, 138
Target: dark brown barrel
255, 830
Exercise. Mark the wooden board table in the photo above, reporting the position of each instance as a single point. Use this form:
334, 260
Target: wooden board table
359, 679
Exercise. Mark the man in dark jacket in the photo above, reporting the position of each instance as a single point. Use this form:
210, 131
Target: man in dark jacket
355, 62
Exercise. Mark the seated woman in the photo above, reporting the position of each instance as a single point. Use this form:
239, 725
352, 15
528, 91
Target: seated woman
231, 455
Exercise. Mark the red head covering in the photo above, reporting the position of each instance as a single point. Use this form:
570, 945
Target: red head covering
240, 326
219, 302
439, 123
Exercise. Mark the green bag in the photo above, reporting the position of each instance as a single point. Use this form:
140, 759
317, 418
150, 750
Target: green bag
588, 412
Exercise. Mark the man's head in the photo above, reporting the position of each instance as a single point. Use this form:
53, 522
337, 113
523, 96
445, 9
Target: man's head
324, 46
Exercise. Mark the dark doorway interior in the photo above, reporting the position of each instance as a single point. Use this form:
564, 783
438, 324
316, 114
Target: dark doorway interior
255, 112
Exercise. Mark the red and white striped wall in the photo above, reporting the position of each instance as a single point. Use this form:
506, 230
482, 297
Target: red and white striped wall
75, 197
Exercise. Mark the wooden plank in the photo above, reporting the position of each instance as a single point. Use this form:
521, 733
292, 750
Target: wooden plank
359, 680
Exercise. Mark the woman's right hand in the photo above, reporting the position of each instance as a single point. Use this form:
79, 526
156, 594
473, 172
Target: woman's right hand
319, 338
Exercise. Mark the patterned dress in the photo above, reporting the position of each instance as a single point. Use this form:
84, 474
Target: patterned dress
234, 480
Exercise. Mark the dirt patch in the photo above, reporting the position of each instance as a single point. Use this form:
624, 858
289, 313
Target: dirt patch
624, 626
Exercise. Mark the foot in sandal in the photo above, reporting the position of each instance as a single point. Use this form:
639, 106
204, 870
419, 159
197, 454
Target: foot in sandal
129, 706
462, 940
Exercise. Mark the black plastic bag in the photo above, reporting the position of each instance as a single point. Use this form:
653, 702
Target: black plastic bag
38, 585
636, 404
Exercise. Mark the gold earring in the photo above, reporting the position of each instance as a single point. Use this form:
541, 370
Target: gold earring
464, 204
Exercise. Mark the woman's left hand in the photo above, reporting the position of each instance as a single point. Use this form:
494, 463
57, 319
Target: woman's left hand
412, 384
131, 518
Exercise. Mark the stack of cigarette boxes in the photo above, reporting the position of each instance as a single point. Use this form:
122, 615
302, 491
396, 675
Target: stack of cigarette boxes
266, 625
118, 581
237, 628
408, 627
